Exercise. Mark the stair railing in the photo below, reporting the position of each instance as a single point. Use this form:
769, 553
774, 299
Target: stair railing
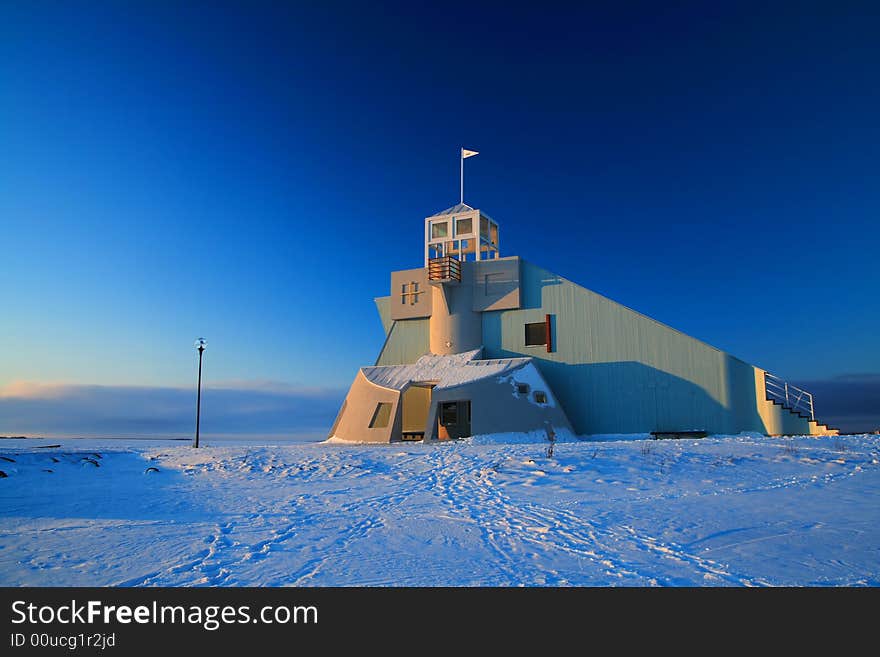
788, 395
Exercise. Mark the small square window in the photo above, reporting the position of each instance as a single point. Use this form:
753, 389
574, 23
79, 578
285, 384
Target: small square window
540, 397
464, 226
410, 293
536, 334
522, 388
439, 229
381, 416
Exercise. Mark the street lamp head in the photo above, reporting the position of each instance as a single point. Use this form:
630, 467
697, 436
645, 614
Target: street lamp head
201, 344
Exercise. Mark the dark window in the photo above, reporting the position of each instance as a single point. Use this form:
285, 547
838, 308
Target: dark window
536, 334
522, 388
540, 397
448, 413
439, 229
381, 416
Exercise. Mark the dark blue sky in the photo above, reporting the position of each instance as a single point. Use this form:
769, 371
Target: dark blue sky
252, 173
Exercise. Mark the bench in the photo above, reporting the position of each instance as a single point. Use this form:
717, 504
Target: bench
678, 435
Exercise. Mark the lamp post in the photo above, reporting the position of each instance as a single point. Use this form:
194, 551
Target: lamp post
200, 344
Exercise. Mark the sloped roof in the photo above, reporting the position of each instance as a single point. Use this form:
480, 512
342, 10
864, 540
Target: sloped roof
455, 209
445, 371
458, 209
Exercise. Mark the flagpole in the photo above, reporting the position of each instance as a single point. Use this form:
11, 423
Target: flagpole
461, 159
461, 174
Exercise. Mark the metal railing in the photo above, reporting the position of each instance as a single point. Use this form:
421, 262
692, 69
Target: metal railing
790, 396
444, 269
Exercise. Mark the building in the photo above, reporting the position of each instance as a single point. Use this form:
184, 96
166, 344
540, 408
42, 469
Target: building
476, 343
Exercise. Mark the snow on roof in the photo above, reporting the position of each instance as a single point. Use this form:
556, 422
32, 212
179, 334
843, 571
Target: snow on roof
444, 371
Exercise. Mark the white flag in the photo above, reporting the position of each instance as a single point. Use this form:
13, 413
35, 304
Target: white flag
465, 153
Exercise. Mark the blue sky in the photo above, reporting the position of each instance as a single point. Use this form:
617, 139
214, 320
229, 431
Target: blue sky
244, 172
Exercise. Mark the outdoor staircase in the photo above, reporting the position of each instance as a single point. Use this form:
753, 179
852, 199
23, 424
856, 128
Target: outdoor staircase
796, 401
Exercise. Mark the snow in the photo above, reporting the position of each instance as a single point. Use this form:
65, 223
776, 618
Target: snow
445, 371
561, 434
490, 510
530, 375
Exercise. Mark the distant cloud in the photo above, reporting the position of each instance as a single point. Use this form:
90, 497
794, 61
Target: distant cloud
849, 402
234, 408
29, 390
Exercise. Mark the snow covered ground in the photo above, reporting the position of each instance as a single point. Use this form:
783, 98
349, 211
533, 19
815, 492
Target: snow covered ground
720, 511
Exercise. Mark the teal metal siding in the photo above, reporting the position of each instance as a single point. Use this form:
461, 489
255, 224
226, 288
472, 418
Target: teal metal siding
407, 340
383, 305
618, 371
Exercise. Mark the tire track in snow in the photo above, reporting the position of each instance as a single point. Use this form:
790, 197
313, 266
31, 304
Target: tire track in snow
466, 485
564, 531
215, 564
373, 510
201, 569
522, 525
447, 482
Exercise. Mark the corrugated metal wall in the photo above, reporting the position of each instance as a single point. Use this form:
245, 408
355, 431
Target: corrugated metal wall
618, 371
613, 369
406, 342
383, 305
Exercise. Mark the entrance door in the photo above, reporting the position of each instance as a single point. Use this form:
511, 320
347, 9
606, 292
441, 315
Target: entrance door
416, 403
454, 420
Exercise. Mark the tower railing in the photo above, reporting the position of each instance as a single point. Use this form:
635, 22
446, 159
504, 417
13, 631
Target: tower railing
788, 395
445, 268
